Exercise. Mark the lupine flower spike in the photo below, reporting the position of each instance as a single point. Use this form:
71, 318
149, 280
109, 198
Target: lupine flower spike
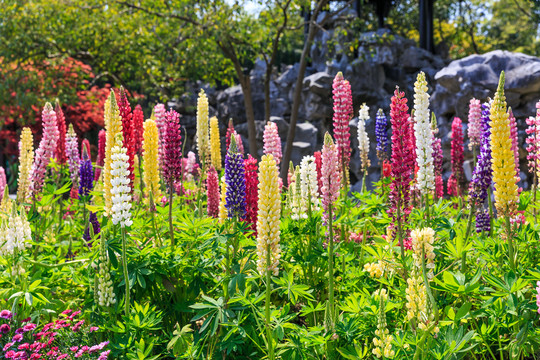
482, 174
363, 140
129, 133
456, 178
425, 178
533, 150
514, 137
26, 159
86, 175
502, 164
402, 164
331, 179
236, 183
381, 133
202, 127
474, 129
272, 142
46, 149
151, 160
73, 156
212, 192
60, 153
100, 161
3, 182
215, 144
252, 196
113, 125
343, 110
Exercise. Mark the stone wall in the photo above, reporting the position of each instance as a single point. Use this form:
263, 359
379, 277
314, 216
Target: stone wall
383, 62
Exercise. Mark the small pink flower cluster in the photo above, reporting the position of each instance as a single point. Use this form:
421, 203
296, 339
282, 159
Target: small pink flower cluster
514, 138
474, 129
272, 142
454, 182
53, 341
533, 141
331, 175
46, 149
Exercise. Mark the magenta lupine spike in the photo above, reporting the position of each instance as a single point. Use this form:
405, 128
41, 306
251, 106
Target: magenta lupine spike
160, 115
171, 161
46, 149
474, 129
252, 193
533, 141
343, 111
514, 137
61, 143
85, 145
272, 142
212, 192
330, 174
3, 182
438, 166
455, 180
102, 138
138, 128
403, 158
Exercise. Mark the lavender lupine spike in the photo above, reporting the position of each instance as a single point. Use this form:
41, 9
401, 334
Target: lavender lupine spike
381, 133
95, 227
86, 175
483, 221
72, 153
482, 174
235, 202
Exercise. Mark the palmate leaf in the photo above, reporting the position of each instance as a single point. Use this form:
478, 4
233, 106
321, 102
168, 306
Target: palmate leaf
292, 290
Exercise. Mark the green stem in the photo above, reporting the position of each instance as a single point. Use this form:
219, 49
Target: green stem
510, 244
171, 229
269, 336
490, 207
428, 217
400, 239
331, 267
141, 182
124, 265
467, 233
534, 188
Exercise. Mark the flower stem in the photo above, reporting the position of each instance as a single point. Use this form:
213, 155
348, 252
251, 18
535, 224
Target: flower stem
124, 265
269, 336
331, 267
464, 244
510, 244
171, 230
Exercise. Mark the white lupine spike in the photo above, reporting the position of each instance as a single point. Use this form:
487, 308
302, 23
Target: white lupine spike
363, 139
121, 198
425, 180
309, 183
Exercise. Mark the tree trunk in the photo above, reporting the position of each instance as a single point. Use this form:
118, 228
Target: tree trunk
298, 92
245, 83
267, 78
426, 25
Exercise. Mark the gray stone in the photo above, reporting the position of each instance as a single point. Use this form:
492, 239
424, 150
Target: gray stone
299, 150
318, 83
306, 133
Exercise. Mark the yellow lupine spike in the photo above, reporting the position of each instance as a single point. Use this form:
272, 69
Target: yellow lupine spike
268, 217
202, 126
26, 159
502, 163
151, 159
215, 144
113, 125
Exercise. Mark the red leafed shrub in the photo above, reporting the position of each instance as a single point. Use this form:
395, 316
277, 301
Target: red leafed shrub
26, 87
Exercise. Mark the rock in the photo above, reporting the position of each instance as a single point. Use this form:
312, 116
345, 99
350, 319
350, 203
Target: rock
318, 83
299, 150
282, 125
306, 133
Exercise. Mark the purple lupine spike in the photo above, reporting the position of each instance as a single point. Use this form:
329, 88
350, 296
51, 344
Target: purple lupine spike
381, 133
86, 175
93, 220
483, 221
482, 174
235, 199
